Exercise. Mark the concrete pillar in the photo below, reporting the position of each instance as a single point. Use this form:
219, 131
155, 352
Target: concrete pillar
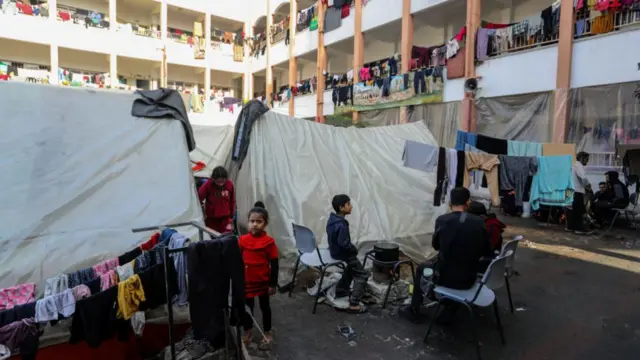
53, 61
406, 43
293, 65
113, 69
563, 76
358, 48
113, 23
207, 60
164, 73
321, 64
247, 77
53, 10
269, 70
468, 118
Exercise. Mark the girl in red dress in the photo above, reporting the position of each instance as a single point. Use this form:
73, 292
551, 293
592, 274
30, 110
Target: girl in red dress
260, 255
219, 197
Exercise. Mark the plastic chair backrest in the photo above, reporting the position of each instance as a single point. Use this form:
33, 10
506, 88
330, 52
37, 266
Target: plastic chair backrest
513, 247
305, 240
494, 277
633, 199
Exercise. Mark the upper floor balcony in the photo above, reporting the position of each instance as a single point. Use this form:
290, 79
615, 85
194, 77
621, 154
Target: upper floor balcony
516, 50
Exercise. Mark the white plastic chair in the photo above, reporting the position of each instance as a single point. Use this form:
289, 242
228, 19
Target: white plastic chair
510, 248
629, 212
480, 294
310, 255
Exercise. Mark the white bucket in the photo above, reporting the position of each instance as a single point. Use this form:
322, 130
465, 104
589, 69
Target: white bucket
526, 209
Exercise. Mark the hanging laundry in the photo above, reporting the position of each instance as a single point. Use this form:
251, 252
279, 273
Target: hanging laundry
56, 285
549, 149
332, 19
460, 168
482, 43
17, 313
452, 167
104, 266
420, 156
214, 267
108, 280
452, 48
514, 172
130, 296
12, 335
523, 148
81, 292
129, 256
154, 285
478, 178
441, 174
48, 308
149, 244
180, 262
553, 183
17, 295
463, 137
95, 319
492, 145
487, 163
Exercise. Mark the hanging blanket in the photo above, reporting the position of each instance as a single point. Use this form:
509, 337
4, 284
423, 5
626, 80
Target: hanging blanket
553, 184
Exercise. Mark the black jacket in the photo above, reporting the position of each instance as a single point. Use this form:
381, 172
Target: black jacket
340, 245
213, 265
461, 239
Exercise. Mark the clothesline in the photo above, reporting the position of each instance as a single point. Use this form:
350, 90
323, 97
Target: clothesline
552, 181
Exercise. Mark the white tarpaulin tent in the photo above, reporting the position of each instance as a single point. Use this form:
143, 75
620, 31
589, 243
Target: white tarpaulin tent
297, 166
213, 146
77, 173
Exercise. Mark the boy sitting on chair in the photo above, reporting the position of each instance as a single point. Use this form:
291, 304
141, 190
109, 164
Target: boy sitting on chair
341, 248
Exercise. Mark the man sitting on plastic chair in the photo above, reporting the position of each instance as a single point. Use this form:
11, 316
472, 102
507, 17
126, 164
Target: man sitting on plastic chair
461, 240
341, 248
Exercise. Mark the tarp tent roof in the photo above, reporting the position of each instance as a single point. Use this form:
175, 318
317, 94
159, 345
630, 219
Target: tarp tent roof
297, 166
77, 173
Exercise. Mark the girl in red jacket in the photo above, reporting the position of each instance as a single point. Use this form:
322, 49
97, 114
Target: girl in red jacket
219, 197
260, 255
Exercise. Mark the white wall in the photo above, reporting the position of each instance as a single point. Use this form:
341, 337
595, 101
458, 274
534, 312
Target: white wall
518, 73
606, 59
380, 12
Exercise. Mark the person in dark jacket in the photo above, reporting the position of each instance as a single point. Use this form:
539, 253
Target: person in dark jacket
219, 197
461, 240
616, 196
341, 248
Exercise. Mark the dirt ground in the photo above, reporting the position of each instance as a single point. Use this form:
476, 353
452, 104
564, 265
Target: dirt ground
577, 297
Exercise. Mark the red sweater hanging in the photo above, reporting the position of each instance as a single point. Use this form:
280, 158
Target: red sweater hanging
257, 252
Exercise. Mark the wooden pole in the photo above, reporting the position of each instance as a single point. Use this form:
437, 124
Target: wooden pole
322, 64
293, 66
358, 48
405, 50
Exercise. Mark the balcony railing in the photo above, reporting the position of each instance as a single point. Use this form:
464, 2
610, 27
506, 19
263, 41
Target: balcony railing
519, 37
586, 26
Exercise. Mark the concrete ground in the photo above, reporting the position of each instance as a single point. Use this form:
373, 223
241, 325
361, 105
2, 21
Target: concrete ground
577, 297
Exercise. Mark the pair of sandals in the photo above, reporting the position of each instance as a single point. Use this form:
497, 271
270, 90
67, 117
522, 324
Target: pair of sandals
265, 343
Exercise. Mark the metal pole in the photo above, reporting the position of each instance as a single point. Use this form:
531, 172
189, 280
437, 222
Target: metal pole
169, 303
